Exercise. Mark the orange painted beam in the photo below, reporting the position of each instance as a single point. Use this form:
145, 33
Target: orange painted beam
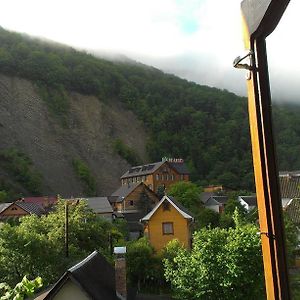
260, 18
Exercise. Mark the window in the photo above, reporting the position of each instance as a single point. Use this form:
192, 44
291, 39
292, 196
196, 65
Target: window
131, 202
14, 208
172, 177
157, 176
181, 176
167, 228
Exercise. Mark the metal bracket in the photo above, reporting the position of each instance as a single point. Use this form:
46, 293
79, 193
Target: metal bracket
269, 235
249, 65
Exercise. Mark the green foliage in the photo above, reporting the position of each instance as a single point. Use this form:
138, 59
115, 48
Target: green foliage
295, 285
224, 264
291, 239
187, 193
126, 152
144, 203
21, 168
3, 196
56, 99
37, 245
144, 269
207, 218
84, 174
25, 288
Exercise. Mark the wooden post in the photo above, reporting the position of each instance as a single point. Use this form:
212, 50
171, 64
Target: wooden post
66, 228
260, 18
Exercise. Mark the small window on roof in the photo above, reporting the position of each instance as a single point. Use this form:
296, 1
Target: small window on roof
166, 205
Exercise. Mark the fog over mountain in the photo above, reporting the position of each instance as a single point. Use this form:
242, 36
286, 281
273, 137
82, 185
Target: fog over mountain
194, 39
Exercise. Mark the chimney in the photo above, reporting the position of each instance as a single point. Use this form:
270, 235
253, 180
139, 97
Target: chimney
120, 269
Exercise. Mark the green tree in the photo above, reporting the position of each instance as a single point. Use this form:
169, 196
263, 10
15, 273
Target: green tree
144, 268
36, 246
24, 289
3, 196
207, 218
83, 172
224, 264
187, 193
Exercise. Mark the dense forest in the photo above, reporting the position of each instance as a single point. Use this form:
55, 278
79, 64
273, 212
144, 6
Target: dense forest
207, 127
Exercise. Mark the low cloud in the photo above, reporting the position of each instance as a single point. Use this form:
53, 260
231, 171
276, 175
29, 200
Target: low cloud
195, 39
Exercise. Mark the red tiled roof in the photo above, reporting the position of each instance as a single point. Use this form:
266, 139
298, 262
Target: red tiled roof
44, 201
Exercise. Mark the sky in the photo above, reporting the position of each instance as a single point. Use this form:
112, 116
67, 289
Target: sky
194, 39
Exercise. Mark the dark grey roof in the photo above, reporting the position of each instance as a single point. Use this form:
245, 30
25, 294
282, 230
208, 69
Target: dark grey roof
211, 202
181, 167
94, 275
143, 170
290, 184
220, 199
206, 195
99, 205
180, 206
31, 208
250, 200
124, 190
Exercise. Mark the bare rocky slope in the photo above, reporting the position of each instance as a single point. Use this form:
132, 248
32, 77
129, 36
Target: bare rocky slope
87, 134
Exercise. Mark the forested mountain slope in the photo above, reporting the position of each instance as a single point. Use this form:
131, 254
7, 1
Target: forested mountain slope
71, 115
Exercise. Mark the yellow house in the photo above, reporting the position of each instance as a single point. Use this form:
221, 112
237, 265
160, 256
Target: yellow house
167, 221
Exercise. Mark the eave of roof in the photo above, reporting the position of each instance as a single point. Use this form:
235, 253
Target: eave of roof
172, 202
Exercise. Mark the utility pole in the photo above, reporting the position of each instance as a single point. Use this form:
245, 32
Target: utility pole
66, 228
260, 18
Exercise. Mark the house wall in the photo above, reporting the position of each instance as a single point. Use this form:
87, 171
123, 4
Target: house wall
215, 208
165, 176
244, 203
154, 228
70, 291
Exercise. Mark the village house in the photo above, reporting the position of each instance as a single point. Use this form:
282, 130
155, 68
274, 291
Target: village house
157, 176
132, 202
249, 202
168, 220
92, 278
214, 202
100, 206
133, 197
17, 209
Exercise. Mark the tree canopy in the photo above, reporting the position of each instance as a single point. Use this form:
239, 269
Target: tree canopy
36, 246
224, 264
